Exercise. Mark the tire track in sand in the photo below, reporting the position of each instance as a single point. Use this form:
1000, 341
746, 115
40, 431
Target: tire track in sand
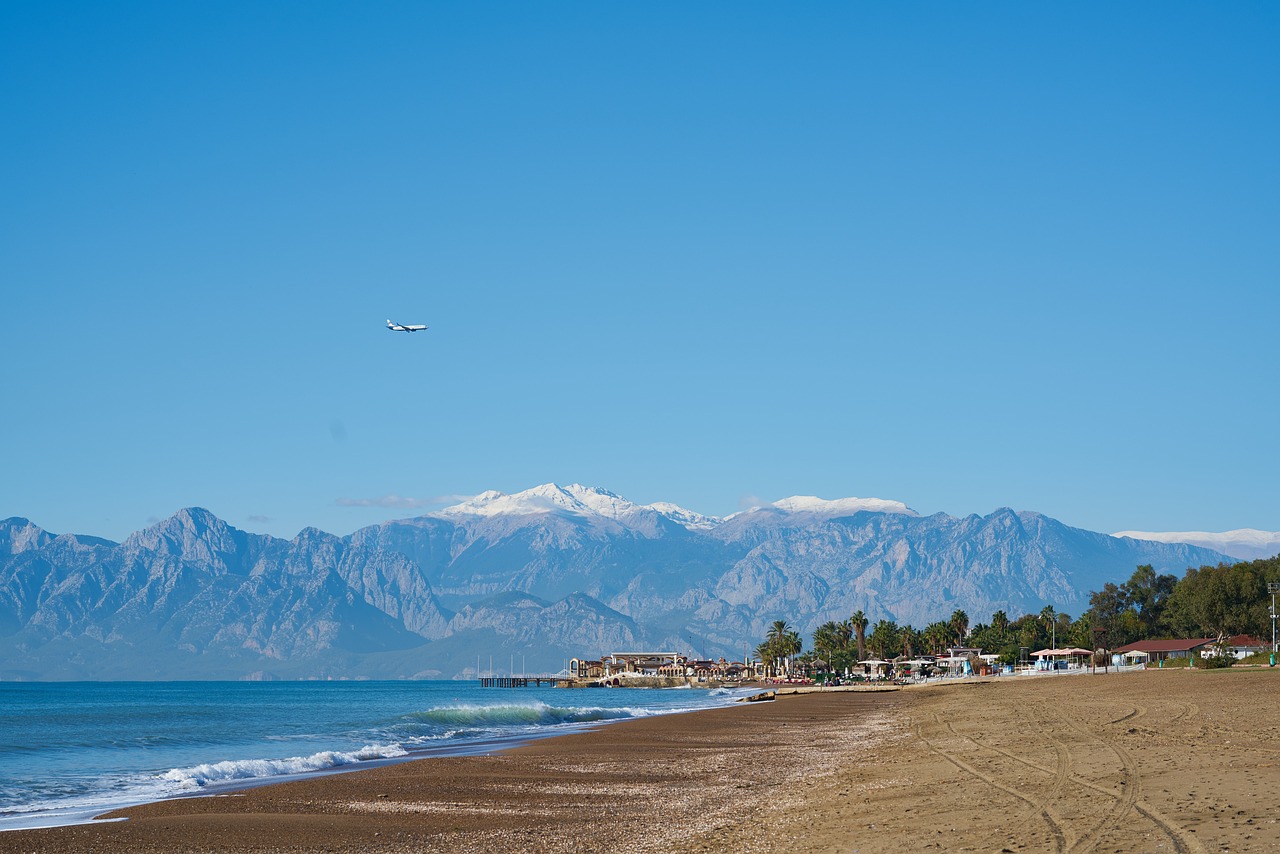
1060, 775
1135, 712
1181, 842
1037, 807
1127, 800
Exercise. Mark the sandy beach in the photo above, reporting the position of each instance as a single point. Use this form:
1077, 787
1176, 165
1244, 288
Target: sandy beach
1157, 761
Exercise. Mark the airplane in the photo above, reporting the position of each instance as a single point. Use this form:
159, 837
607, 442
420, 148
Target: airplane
399, 327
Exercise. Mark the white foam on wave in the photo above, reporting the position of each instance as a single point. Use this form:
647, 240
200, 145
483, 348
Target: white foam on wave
199, 776
532, 714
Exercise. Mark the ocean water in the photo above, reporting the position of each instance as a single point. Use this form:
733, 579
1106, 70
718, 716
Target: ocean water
71, 750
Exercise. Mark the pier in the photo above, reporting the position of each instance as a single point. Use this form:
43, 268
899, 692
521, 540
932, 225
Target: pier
521, 681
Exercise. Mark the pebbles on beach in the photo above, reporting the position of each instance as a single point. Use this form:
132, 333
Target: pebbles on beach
1159, 761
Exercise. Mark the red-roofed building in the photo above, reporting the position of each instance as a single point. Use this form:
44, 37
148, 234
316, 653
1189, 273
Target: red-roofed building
1237, 646
1158, 650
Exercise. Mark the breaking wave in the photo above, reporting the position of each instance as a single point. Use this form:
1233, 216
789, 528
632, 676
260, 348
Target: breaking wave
521, 715
199, 776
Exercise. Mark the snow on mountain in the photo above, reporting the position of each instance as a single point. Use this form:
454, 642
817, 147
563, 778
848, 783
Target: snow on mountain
801, 510
553, 571
691, 520
1243, 543
593, 502
574, 499
831, 509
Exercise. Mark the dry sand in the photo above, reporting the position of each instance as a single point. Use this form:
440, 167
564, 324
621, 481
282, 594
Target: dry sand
1161, 761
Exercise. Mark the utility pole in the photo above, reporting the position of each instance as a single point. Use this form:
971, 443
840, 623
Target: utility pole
1273, 587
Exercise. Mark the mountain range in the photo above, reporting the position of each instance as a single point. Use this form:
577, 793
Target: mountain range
1242, 543
522, 582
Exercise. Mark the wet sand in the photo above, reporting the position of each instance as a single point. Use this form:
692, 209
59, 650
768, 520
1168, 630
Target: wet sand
1162, 761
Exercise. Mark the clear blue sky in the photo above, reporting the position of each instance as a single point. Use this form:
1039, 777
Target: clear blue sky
960, 255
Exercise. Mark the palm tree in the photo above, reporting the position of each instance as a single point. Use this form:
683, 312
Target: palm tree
794, 643
1000, 622
937, 636
1050, 620
765, 652
781, 643
912, 641
884, 639
859, 622
959, 626
827, 637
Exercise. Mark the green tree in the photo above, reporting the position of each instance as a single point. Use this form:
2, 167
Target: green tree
779, 646
1148, 595
833, 640
1223, 600
1080, 632
959, 623
911, 640
884, 640
859, 623
937, 637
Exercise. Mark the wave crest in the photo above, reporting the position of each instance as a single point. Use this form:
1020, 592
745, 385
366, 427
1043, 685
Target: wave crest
199, 776
519, 714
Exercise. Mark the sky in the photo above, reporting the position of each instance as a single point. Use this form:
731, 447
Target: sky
963, 256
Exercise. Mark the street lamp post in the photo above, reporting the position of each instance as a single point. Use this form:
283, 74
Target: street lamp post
1273, 587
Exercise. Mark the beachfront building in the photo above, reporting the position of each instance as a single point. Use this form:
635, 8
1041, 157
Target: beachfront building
670, 665
1166, 648
643, 663
1236, 646
958, 658
1061, 659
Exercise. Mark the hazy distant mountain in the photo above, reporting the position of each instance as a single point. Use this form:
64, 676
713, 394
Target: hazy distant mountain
529, 580
1243, 543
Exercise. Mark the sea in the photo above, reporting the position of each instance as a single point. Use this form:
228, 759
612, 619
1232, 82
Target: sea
72, 750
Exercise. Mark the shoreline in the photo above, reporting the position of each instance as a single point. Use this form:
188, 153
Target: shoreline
93, 805
501, 801
1162, 760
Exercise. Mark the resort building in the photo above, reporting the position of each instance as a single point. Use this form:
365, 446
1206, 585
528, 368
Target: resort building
1164, 648
664, 664
1237, 646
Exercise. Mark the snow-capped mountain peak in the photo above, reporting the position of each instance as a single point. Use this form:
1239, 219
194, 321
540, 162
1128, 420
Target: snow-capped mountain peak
691, 520
574, 499
821, 508
1243, 543
594, 503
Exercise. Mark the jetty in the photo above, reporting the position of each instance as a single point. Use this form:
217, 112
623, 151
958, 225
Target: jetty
537, 681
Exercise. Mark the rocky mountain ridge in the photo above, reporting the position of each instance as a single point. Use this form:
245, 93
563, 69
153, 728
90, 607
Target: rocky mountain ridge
538, 576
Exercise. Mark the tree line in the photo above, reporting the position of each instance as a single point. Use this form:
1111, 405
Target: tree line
1211, 601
